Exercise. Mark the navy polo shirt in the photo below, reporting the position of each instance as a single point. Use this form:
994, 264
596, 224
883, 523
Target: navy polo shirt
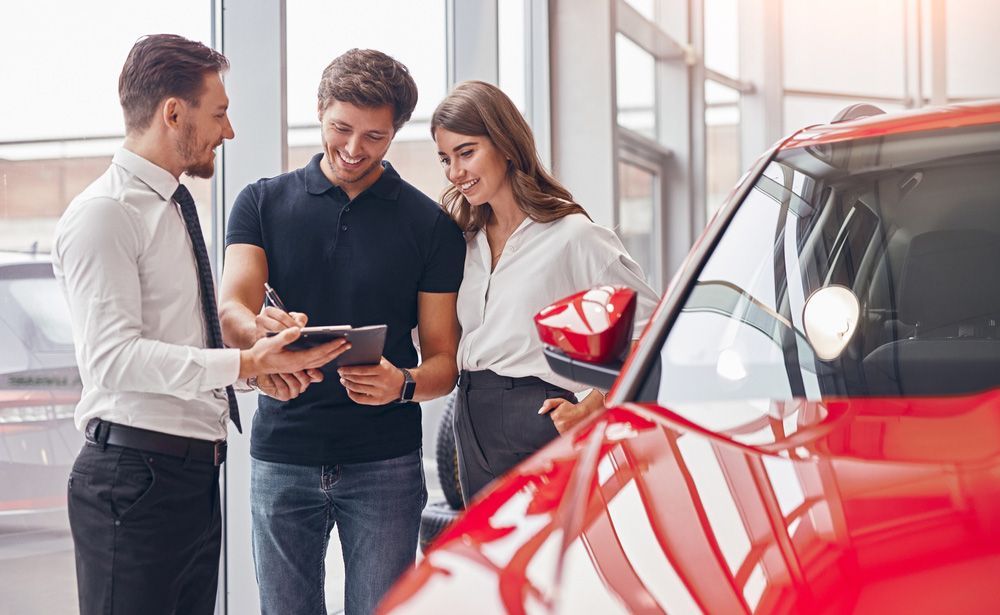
344, 262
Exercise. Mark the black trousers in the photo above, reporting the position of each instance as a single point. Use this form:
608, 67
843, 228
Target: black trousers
147, 531
497, 424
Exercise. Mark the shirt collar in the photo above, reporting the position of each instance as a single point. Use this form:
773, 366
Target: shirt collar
386, 187
160, 180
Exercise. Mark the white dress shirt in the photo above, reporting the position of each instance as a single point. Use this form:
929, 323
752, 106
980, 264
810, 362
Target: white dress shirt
124, 260
540, 264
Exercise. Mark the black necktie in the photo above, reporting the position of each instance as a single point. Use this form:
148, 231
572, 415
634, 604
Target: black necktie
206, 285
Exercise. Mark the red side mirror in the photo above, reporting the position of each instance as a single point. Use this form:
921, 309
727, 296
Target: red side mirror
593, 326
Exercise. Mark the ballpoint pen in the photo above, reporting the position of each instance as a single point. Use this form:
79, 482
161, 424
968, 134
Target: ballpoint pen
270, 296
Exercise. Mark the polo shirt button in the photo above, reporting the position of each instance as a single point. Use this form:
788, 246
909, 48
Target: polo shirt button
347, 210
343, 228
117, 522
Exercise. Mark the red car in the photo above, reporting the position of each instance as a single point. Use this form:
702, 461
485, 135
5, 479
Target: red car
811, 421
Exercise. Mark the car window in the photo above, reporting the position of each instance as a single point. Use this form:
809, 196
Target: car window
35, 327
46, 308
909, 224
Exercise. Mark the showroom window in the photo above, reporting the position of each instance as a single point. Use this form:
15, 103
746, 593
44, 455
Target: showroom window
638, 195
635, 75
722, 97
60, 124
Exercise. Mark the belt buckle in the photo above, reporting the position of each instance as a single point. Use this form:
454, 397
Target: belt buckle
219, 452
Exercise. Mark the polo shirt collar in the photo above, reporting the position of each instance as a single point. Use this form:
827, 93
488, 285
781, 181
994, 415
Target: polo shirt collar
386, 187
160, 180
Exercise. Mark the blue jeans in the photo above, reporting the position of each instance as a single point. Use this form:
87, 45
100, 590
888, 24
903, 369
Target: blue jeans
376, 507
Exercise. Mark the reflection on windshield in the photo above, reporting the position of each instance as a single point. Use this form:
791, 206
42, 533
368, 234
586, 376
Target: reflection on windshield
908, 224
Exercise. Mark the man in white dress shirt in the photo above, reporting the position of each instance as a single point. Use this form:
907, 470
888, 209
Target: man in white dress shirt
157, 395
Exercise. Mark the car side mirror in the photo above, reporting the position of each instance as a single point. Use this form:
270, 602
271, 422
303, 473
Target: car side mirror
830, 318
587, 334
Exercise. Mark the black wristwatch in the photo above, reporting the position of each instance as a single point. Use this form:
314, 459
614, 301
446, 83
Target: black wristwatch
409, 386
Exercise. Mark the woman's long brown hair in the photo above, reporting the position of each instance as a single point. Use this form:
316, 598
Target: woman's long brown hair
478, 109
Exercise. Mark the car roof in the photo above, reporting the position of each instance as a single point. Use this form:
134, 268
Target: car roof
20, 258
925, 119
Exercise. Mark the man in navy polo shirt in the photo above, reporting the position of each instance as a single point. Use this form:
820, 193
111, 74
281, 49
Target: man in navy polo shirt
345, 241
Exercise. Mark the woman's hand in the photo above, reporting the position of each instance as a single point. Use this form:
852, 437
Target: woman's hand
565, 414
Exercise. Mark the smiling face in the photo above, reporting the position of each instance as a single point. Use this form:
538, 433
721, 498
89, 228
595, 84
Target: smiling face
204, 127
355, 139
474, 165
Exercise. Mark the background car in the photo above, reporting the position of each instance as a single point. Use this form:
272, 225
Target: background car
811, 421
39, 388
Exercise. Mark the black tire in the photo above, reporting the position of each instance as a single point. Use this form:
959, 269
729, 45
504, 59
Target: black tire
435, 517
447, 456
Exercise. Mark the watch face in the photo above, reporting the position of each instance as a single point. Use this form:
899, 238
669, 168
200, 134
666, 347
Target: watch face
409, 386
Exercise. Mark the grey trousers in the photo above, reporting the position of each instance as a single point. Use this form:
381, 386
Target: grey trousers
497, 424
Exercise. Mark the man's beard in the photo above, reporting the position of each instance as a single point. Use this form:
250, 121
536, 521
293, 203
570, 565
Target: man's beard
186, 148
331, 153
363, 173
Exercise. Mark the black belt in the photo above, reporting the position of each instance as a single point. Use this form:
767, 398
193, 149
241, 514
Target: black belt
486, 379
102, 433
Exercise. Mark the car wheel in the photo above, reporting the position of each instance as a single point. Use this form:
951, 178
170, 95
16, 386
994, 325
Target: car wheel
447, 456
435, 517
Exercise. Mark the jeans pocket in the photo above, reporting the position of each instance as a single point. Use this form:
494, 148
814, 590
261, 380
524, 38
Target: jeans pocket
134, 480
76, 480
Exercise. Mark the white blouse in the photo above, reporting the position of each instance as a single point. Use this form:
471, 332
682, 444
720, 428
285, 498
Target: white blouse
540, 264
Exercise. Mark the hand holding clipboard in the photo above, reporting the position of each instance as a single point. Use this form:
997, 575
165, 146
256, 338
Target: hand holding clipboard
367, 343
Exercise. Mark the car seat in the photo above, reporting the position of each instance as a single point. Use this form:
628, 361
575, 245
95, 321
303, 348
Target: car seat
948, 305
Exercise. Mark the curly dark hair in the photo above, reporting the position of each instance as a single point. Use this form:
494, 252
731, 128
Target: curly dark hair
162, 66
369, 78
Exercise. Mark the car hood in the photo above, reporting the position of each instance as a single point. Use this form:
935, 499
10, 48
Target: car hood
841, 506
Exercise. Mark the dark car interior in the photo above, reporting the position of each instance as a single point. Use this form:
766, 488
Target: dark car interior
931, 293
909, 223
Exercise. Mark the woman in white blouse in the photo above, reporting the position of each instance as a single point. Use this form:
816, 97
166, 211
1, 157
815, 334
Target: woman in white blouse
529, 244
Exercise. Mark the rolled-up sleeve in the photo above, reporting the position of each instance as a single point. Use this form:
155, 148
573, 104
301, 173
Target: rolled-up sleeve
97, 251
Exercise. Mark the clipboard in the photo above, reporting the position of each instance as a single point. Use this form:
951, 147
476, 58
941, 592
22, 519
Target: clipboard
367, 343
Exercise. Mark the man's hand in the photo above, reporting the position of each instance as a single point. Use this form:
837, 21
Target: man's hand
273, 320
280, 387
268, 355
291, 385
565, 414
372, 385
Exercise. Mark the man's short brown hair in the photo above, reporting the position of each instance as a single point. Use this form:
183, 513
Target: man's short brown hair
369, 78
161, 66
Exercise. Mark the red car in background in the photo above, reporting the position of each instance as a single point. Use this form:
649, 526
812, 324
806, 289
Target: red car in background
811, 421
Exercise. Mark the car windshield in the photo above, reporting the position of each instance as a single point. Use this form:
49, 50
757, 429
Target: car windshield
35, 329
908, 225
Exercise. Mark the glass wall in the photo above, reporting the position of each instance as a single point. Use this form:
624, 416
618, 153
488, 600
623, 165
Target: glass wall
511, 50
60, 123
722, 102
635, 76
972, 49
853, 46
722, 143
638, 198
